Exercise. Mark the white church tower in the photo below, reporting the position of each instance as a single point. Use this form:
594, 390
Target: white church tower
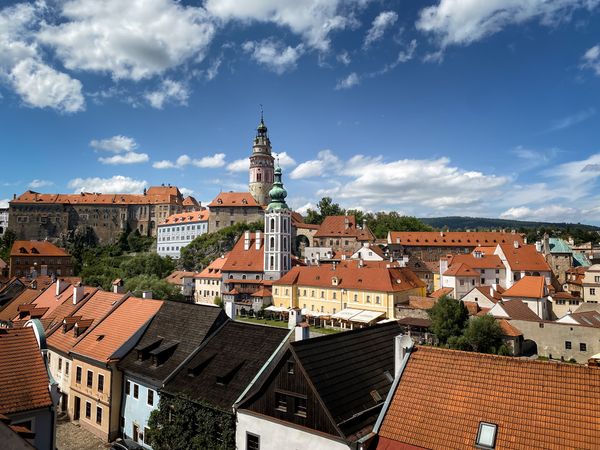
278, 232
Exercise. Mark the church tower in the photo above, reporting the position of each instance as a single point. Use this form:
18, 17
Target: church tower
278, 232
261, 165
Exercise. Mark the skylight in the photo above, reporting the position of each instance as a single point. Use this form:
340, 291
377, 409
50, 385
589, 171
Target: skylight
486, 435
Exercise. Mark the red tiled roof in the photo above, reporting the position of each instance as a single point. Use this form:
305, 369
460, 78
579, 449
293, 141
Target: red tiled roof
154, 195
342, 226
233, 199
452, 238
441, 291
190, 201
484, 262
518, 310
262, 292
240, 260
36, 248
508, 329
525, 257
178, 276
11, 309
186, 217
213, 270
527, 287
117, 328
23, 375
350, 276
461, 270
443, 396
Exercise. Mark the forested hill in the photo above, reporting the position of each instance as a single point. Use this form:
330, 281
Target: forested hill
457, 223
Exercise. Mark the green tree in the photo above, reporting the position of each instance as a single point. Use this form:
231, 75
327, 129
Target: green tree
483, 334
383, 222
160, 288
326, 207
147, 264
448, 318
138, 243
6, 243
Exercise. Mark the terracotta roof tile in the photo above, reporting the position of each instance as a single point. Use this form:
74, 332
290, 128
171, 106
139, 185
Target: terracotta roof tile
527, 287
227, 199
23, 375
11, 309
186, 217
341, 226
483, 262
518, 310
36, 248
154, 195
213, 270
240, 260
178, 276
525, 257
441, 291
508, 329
535, 405
452, 238
416, 302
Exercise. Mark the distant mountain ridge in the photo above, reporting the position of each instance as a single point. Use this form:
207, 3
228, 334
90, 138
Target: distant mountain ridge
459, 223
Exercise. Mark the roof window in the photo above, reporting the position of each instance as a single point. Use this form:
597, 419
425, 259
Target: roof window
486, 435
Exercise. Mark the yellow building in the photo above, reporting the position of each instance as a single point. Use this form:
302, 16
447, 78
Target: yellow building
328, 289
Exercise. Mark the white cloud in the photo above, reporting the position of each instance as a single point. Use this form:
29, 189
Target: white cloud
344, 57
350, 81
326, 161
125, 158
591, 59
185, 191
213, 69
275, 55
128, 39
169, 91
462, 22
574, 119
381, 23
314, 20
41, 86
549, 212
115, 144
36, 184
285, 160
211, 161
304, 208
4, 203
117, 184
239, 165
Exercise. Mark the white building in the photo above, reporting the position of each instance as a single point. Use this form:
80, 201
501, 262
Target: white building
3, 220
179, 230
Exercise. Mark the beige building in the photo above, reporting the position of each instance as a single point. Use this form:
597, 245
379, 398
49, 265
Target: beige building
591, 284
207, 284
229, 208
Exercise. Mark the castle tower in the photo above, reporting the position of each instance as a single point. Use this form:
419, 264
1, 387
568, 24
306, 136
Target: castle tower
278, 232
261, 165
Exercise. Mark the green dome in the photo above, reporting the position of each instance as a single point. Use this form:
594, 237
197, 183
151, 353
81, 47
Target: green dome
277, 193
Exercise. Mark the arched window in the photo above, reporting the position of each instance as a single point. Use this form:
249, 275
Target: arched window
272, 243
285, 226
259, 176
243, 277
271, 262
272, 225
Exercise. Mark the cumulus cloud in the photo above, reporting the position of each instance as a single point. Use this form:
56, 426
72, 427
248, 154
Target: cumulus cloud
325, 161
549, 212
211, 161
37, 184
591, 59
115, 144
274, 55
117, 184
458, 22
348, 82
4, 203
126, 158
239, 165
285, 160
185, 191
169, 91
128, 40
381, 23
314, 20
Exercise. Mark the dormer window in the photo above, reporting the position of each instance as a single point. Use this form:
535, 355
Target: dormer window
486, 435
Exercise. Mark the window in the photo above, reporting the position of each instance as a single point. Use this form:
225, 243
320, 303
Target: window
88, 410
99, 415
334, 295
290, 367
78, 375
597, 279
280, 402
150, 399
59, 364
66, 367
252, 441
322, 294
127, 387
592, 291
486, 435
90, 378
368, 299
497, 270
49, 358
100, 383
300, 406
136, 391
583, 347
483, 281
568, 345
146, 431
355, 297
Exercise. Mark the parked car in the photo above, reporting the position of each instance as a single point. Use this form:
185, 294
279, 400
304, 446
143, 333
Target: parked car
125, 444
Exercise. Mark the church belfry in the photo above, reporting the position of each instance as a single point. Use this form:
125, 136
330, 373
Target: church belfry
278, 232
261, 165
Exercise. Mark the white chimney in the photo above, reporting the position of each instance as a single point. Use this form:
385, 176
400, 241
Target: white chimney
294, 318
147, 294
61, 285
301, 332
230, 309
77, 293
246, 240
258, 240
402, 345
538, 246
361, 263
516, 244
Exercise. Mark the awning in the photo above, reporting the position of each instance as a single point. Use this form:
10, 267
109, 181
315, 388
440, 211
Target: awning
315, 314
276, 308
366, 316
346, 314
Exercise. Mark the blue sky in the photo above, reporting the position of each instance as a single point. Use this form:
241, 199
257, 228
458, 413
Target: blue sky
451, 107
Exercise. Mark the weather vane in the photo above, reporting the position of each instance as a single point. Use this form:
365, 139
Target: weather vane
261, 111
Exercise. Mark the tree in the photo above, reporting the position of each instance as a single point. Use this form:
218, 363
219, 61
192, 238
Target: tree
147, 264
483, 334
160, 288
6, 243
448, 318
138, 243
326, 207
383, 222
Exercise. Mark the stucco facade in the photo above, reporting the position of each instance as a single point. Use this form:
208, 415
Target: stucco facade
139, 400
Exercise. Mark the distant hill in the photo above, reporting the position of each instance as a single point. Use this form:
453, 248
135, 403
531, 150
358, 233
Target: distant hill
457, 223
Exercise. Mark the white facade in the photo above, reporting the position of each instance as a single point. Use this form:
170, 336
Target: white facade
366, 253
61, 368
206, 289
315, 254
3, 220
476, 296
276, 436
172, 237
278, 243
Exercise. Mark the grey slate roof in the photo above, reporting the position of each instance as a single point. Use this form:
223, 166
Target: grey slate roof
174, 333
225, 365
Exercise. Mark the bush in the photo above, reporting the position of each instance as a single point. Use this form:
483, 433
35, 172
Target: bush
448, 318
503, 350
484, 334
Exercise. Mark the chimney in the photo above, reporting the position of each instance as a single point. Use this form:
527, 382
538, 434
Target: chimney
546, 247
364, 223
258, 240
301, 331
402, 345
61, 285
361, 263
147, 294
77, 293
516, 244
477, 254
246, 240
230, 309
538, 246
346, 223
14, 196
294, 318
